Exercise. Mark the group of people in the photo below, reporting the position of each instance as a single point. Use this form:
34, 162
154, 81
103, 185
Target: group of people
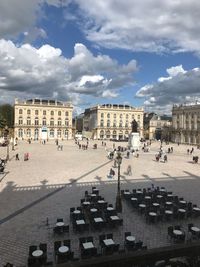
26, 156
190, 151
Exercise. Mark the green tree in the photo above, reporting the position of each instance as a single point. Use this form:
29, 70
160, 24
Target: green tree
6, 115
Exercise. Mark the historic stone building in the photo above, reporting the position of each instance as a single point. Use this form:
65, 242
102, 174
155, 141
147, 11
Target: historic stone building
42, 119
111, 121
186, 123
157, 127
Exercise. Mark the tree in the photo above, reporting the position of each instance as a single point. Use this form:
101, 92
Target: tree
6, 116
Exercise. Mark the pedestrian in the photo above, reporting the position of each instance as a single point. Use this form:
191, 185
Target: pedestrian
171, 149
192, 150
188, 151
127, 154
17, 156
165, 158
129, 171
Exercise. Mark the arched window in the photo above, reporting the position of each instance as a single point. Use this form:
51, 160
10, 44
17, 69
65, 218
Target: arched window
20, 133
102, 115
108, 115
28, 121
36, 112
120, 123
20, 111
127, 116
138, 117
59, 122
101, 134
114, 123
133, 116
101, 123
108, 134
28, 133
66, 134
120, 116
126, 124
59, 113
36, 121
66, 113
59, 133
51, 133
51, 122
44, 121
36, 133
44, 113
28, 112
108, 123
52, 113
114, 116
67, 122
20, 120
114, 134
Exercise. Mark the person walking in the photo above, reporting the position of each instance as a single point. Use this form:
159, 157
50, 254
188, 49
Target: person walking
129, 171
17, 156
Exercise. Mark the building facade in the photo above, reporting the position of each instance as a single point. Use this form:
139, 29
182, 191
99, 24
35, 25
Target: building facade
42, 119
111, 121
186, 124
156, 126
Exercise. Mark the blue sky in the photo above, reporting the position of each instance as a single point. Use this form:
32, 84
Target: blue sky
90, 52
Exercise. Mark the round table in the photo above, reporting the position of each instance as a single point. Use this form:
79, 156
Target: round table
162, 190
182, 201
134, 199
37, 253
182, 210
159, 196
77, 212
59, 224
101, 201
142, 206
110, 208
93, 210
93, 195
195, 229
196, 209
130, 238
169, 212
86, 203
139, 192
156, 204
63, 249
168, 203
177, 232
170, 195
147, 197
153, 214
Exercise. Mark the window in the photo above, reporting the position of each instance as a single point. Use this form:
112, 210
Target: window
44, 112
102, 115
101, 123
66, 113
44, 122
133, 116
28, 112
28, 121
52, 122
28, 132
127, 116
20, 121
36, 121
20, 133
101, 134
138, 117
59, 113
120, 116
66, 122
120, 123
108, 115
115, 116
126, 124
66, 134
20, 111
59, 133
59, 122
107, 134
108, 123
36, 112
36, 135
52, 113
114, 123
51, 133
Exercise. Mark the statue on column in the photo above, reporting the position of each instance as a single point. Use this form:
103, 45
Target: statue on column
134, 126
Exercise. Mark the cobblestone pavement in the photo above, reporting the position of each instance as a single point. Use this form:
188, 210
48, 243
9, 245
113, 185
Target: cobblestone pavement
52, 181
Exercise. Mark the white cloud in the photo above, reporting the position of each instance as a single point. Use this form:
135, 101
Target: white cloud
22, 16
182, 86
27, 71
147, 25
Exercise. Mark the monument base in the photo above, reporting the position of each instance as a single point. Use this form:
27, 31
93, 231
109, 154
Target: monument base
134, 141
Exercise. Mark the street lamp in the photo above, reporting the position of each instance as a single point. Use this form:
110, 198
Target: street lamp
118, 204
6, 136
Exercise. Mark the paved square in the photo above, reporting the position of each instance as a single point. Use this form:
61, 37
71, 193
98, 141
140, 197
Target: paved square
52, 181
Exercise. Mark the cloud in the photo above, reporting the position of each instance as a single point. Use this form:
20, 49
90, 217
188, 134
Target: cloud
147, 25
44, 72
182, 86
22, 16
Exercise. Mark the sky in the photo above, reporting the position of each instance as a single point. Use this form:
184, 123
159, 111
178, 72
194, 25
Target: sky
141, 53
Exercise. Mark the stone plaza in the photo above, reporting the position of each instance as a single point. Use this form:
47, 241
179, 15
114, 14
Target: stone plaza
52, 181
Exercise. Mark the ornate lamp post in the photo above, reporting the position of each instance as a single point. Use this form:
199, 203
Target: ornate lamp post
6, 136
118, 204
